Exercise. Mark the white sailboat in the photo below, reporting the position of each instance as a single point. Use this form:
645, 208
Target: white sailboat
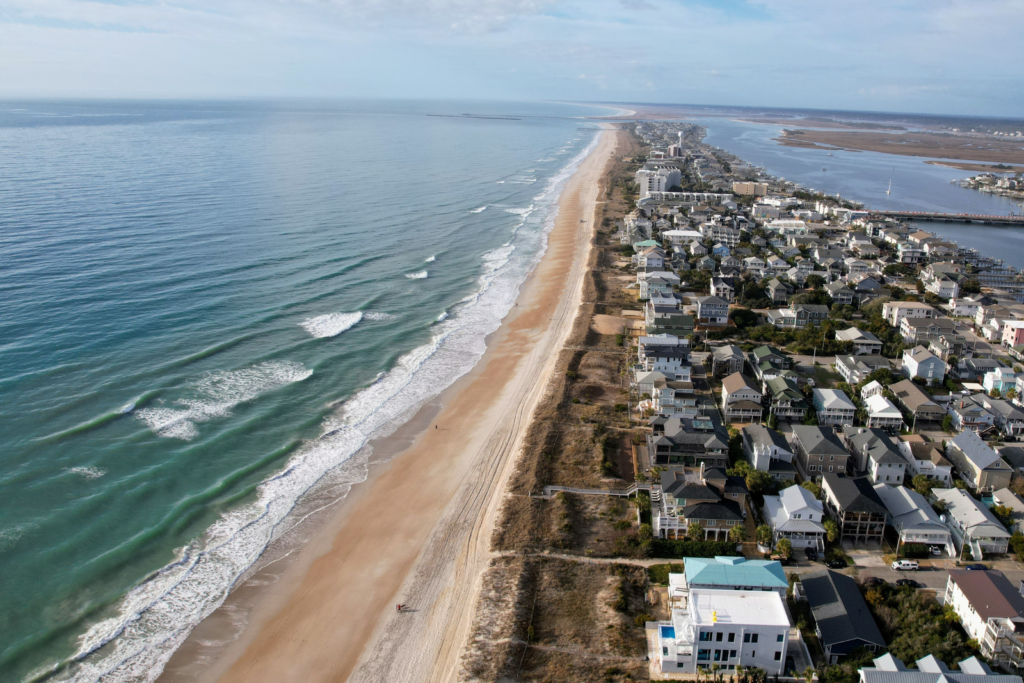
889, 191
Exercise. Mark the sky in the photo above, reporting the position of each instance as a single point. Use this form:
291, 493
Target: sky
929, 56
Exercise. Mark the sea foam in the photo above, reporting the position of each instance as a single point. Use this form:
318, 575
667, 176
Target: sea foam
331, 325
422, 275
216, 394
478, 210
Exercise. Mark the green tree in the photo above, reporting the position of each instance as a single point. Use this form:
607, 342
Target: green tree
923, 484
738, 533
758, 481
773, 421
814, 282
831, 530
1004, 515
695, 532
784, 547
970, 286
645, 533
813, 488
764, 534
947, 424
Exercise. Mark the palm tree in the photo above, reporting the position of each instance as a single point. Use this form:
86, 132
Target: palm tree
809, 674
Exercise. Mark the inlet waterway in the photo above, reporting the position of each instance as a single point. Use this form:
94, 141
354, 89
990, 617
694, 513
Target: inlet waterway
865, 177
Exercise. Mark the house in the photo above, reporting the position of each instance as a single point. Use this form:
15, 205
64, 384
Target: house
920, 362
651, 258
895, 311
916, 402
1013, 333
727, 360
684, 501
1000, 379
947, 345
656, 282
662, 315
1011, 500
727, 628
875, 453
974, 526
842, 620
991, 611
798, 315
777, 264
855, 506
872, 388
882, 414
667, 397
970, 414
712, 311
944, 287
786, 403
725, 573
768, 451
978, 465
769, 354
666, 354
864, 343
888, 669
688, 441
720, 250
795, 514
698, 249
855, 369
974, 369
730, 488
778, 291
840, 293
741, 399
705, 263
921, 330
753, 263
724, 288
964, 307
927, 459
818, 451
833, 407
979, 412
913, 518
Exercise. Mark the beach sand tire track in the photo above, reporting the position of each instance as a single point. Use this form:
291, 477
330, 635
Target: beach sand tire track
426, 642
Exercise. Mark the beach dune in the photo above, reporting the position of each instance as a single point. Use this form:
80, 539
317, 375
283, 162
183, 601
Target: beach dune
418, 530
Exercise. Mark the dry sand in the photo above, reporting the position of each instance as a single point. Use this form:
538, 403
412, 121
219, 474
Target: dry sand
418, 530
608, 324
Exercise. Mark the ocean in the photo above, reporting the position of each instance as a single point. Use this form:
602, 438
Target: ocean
865, 177
206, 311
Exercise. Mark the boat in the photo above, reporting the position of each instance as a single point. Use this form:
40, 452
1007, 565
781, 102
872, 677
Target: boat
823, 168
889, 191
830, 154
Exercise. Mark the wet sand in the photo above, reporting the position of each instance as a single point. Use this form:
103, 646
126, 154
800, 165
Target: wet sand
417, 531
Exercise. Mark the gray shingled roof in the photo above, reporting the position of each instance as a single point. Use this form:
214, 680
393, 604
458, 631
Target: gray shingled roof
839, 609
819, 440
854, 495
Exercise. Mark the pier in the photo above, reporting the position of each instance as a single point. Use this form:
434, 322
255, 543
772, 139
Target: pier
949, 217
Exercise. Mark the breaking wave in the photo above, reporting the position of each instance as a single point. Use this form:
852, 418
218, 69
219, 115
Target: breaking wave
331, 325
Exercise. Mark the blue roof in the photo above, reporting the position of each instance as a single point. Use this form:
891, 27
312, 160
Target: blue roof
734, 571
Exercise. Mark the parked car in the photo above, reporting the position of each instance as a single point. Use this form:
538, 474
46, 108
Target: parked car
905, 565
909, 582
812, 554
937, 550
836, 564
875, 581
975, 567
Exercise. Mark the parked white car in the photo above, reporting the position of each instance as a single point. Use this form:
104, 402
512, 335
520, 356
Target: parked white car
905, 565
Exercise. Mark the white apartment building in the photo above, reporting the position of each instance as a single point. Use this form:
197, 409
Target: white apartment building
657, 180
729, 628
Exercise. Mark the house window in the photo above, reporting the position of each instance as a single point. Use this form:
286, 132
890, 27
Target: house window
732, 637
703, 655
778, 656
778, 638
718, 636
832, 457
718, 655
705, 636
746, 637
830, 468
664, 650
732, 655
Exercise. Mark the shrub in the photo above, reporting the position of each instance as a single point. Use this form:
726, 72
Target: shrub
658, 573
671, 548
620, 407
918, 550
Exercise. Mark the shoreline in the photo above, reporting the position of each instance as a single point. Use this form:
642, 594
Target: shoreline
376, 542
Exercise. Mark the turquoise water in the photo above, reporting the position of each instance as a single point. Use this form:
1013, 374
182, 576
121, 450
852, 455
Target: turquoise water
865, 177
206, 309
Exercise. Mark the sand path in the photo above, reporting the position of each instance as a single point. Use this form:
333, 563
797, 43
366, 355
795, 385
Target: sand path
419, 531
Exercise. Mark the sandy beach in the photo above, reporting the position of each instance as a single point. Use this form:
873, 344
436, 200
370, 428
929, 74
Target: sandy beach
418, 530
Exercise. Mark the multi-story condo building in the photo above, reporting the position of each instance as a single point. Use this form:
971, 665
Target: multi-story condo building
855, 506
